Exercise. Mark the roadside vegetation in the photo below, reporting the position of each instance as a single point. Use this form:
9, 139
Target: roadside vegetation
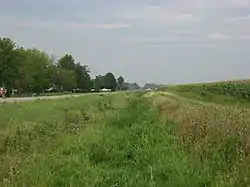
34, 130
216, 135
124, 139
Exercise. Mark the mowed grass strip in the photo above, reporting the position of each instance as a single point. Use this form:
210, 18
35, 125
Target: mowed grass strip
131, 146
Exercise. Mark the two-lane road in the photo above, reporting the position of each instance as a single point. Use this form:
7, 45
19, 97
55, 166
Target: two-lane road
25, 99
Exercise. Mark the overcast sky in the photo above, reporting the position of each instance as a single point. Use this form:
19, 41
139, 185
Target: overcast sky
157, 41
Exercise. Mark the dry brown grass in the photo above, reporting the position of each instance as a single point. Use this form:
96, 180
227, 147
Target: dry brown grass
217, 136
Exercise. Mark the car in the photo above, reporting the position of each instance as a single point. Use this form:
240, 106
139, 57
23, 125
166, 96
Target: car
35, 95
3, 91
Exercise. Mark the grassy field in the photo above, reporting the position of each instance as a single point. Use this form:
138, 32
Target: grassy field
227, 92
125, 139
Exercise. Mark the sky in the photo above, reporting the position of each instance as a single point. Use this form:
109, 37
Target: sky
157, 41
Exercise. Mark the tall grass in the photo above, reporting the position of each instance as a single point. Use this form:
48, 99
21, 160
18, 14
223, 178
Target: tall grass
216, 135
131, 146
32, 129
127, 140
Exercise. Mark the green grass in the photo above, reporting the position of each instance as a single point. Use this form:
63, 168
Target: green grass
123, 139
131, 148
216, 135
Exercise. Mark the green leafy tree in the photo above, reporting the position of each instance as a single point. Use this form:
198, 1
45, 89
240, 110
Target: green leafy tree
65, 79
110, 81
9, 63
98, 82
83, 78
33, 71
67, 62
51, 75
120, 82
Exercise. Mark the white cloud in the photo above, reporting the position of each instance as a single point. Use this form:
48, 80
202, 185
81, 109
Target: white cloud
73, 25
165, 39
217, 36
238, 19
173, 17
37, 24
160, 15
187, 45
96, 26
187, 32
113, 26
199, 5
240, 3
244, 37
224, 3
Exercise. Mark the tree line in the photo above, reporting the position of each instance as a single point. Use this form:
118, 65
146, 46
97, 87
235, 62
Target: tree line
33, 70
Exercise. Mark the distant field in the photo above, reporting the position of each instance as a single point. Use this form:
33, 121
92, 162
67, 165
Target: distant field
219, 82
124, 139
220, 92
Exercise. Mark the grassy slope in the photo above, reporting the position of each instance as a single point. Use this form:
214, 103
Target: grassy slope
216, 135
30, 130
123, 140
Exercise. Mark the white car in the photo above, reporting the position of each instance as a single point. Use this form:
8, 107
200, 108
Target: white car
105, 90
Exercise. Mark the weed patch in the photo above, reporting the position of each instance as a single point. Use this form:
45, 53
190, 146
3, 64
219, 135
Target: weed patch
216, 135
133, 146
128, 140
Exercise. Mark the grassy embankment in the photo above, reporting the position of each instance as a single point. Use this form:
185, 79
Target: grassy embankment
124, 140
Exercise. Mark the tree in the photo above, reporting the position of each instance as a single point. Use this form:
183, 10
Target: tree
107, 81
110, 81
98, 82
83, 78
34, 70
120, 81
52, 75
67, 62
9, 63
65, 79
